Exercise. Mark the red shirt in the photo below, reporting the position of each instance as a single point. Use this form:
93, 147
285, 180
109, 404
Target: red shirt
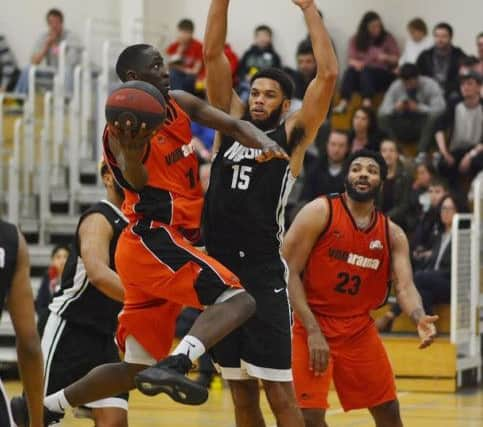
190, 55
348, 271
173, 192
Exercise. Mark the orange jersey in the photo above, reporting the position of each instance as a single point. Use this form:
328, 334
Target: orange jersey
348, 271
173, 192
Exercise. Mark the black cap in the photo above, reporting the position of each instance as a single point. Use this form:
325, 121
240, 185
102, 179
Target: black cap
471, 74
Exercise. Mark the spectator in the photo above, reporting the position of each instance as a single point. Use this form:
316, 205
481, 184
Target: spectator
306, 68
203, 138
479, 47
47, 49
418, 41
442, 61
50, 283
364, 132
373, 54
185, 58
394, 200
427, 227
411, 108
464, 124
8, 67
259, 56
325, 175
434, 281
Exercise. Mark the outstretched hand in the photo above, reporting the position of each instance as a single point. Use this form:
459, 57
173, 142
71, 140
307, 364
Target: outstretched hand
271, 151
427, 330
303, 4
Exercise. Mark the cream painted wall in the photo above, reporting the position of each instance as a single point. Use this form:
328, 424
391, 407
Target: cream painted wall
22, 20
341, 16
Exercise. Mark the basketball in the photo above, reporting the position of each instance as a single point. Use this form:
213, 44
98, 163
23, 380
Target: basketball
136, 101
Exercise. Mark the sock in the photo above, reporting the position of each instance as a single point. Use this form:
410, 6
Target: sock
57, 402
191, 346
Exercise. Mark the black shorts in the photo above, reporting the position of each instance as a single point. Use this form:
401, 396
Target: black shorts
71, 351
260, 348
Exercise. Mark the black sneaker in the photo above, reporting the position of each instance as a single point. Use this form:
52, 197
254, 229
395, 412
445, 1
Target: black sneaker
169, 376
20, 413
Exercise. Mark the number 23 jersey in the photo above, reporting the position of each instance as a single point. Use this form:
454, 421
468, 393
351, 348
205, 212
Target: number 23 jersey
348, 271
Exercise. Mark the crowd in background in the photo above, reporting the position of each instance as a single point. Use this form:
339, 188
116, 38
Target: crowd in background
421, 106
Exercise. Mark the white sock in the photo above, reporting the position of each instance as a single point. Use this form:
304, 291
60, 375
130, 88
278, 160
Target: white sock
191, 346
57, 402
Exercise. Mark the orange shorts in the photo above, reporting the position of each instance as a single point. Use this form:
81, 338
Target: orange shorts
161, 272
358, 363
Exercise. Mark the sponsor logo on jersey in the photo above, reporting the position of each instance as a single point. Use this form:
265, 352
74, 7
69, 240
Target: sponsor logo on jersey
2, 258
376, 245
354, 259
179, 153
237, 152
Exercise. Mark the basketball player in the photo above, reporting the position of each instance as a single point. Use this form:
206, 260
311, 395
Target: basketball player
15, 288
79, 334
155, 260
342, 255
244, 213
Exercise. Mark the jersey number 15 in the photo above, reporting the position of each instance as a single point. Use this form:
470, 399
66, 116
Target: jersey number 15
241, 177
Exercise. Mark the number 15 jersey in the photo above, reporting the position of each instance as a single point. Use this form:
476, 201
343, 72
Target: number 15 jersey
348, 271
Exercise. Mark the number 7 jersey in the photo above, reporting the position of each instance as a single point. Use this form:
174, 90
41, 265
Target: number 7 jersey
348, 271
173, 194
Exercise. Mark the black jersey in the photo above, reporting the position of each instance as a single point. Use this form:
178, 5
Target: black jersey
77, 300
245, 202
8, 258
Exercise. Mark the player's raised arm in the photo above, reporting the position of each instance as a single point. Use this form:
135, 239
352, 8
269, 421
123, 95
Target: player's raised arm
305, 123
95, 235
407, 295
21, 307
244, 132
298, 243
219, 84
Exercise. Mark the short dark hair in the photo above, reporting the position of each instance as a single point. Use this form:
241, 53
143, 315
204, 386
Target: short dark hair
186, 25
55, 12
341, 132
444, 26
264, 27
418, 24
376, 156
409, 71
128, 58
479, 35
283, 79
305, 48
58, 248
437, 181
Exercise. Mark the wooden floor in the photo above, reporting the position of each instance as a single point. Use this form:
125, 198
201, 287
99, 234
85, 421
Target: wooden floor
463, 409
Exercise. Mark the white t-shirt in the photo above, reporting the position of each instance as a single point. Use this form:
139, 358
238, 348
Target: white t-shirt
413, 49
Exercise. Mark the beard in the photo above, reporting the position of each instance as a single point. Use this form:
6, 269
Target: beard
271, 122
359, 196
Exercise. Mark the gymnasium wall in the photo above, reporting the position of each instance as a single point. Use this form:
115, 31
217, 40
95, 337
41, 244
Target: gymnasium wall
22, 20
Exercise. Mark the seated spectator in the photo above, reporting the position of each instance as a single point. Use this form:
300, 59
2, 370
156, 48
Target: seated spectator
364, 132
464, 124
306, 69
185, 58
433, 282
8, 67
419, 197
427, 228
373, 55
259, 56
442, 61
46, 50
325, 175
394, 199
411, 108
50, 283
418, 41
